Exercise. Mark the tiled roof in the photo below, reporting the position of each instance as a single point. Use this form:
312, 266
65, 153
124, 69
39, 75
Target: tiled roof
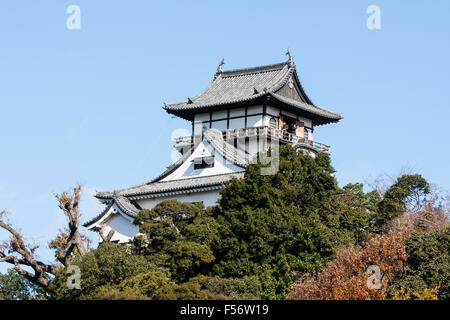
123, 198
237, 86
247, 85
122, 203
315, 110
167, 188
97, 218
126, 206
215, 138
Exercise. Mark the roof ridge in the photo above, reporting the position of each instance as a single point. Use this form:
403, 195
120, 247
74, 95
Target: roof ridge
98, 217
256, 69
126, 206
136, 191
182, 179
281, 97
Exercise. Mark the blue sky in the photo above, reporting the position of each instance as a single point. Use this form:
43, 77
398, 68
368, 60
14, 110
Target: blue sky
85, 106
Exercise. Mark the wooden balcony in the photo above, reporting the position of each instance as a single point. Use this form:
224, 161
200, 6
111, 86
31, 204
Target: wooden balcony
266, 132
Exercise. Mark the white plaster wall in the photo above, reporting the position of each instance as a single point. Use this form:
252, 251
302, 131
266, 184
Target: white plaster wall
273, 111
254, 121
310, 135
252, 146
289, 114
254, 110
124, 229
237, 123
308, 122
202, 117
237, 112
186, 170
219, 114
219, 125
209, 198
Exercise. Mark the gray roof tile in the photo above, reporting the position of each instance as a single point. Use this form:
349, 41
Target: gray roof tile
247, 85
215, 138
164, 188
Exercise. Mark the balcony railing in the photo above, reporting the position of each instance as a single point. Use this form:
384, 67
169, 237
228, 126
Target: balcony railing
281, 135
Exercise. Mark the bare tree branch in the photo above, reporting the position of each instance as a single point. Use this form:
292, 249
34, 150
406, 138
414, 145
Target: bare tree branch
69, 205
27, 258
17, 253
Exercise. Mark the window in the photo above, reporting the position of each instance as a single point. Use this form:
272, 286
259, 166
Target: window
203, 162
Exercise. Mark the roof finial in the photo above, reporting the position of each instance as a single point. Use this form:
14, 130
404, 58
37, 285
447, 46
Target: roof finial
290, 56
219, 68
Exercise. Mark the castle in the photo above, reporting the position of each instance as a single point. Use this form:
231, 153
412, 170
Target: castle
232, 120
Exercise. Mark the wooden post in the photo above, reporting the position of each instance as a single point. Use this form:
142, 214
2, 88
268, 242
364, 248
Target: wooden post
299, 131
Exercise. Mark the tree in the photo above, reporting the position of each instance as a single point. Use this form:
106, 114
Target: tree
246, 288
413, 258
269, 225
22, 255
188, 258
428, 263
148, 284
346, 277
113, 271
108, 265
350, 213
409, 191
164, 224
178, 237
13, 286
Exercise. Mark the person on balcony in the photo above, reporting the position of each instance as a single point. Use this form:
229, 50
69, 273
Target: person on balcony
294, 130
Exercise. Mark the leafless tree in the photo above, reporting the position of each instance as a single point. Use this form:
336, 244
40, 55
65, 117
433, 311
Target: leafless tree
22, 256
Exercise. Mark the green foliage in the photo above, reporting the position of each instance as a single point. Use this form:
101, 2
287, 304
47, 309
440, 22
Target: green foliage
13, 286
114, 293
350, 213
177, 236
301, 182
407, 191
266, 231
429, 263
156, 285
147, 284
246, 288
266, 226
187, 291
269, 224
188, 258
109, 264
174, 209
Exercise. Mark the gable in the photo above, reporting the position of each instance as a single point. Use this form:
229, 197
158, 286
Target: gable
204, 149
292, 90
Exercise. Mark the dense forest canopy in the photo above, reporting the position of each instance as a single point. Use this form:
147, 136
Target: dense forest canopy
295, 234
